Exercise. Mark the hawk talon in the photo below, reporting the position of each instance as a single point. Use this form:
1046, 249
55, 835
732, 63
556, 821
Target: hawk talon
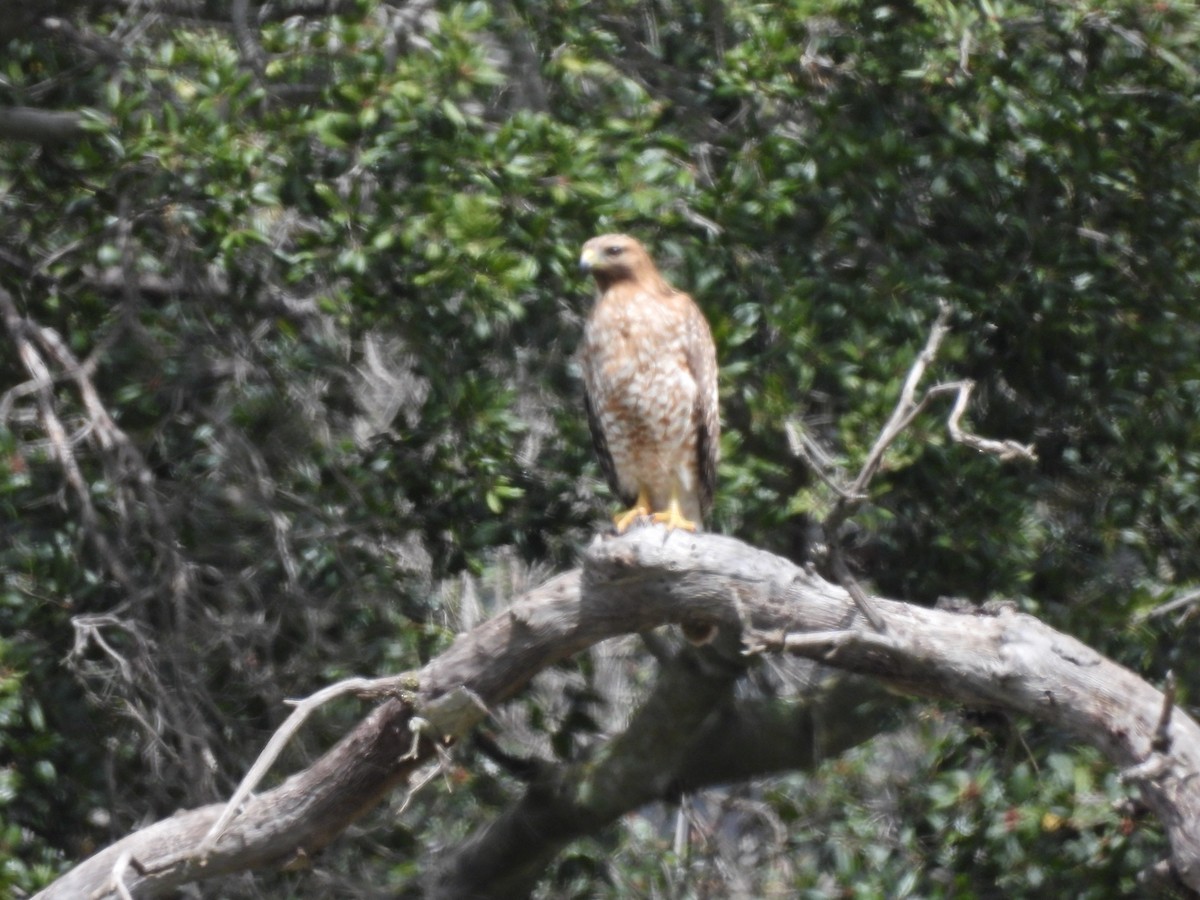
673, 519
623, 520
640, 509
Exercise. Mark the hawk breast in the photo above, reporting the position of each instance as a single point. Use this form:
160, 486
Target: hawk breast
642, 393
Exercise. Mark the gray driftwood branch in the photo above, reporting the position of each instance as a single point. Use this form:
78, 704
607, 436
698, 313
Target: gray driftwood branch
693, 731
647, 578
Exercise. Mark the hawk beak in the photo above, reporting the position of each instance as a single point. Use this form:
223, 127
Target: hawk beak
586, 260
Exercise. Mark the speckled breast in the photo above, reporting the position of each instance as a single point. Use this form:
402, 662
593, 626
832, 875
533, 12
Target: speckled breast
642, 390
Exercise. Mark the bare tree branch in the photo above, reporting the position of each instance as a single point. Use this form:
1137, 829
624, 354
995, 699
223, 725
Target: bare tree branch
646, 578
23, 332
279, 740
506, 857
132, 538
692, 732
1003, 450
1189, 598
853, 496
40, 126
908, 407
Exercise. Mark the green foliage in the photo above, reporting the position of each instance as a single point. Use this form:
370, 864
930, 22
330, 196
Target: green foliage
328, 296
941, 809
29, 782
969, 820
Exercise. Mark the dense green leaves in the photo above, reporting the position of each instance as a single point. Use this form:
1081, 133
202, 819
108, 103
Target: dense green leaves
320, 270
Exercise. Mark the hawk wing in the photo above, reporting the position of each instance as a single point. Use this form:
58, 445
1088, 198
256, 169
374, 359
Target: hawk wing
702, 362
600, 442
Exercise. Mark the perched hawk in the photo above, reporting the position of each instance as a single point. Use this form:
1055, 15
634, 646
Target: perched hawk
650, 370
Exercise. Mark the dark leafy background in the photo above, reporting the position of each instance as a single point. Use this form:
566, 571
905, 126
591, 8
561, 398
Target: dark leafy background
318, 261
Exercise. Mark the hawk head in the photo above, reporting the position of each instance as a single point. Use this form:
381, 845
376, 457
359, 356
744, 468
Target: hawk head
610, 258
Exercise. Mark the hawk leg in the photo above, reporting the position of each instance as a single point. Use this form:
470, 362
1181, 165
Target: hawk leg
640, 509
673, 517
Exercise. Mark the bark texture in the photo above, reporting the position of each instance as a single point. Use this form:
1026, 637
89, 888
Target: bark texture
648, 578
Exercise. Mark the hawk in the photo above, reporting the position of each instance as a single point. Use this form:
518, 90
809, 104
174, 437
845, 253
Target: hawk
650, 373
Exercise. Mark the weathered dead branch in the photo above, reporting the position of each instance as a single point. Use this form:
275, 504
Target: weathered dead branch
1006, 661
851, 496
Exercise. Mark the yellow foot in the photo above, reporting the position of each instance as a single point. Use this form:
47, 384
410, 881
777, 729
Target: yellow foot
627, 518
673, 519
641, 509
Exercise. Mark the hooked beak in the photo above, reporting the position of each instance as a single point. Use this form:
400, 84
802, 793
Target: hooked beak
587, 260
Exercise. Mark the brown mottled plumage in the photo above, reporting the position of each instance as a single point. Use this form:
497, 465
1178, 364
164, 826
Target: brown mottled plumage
650, 370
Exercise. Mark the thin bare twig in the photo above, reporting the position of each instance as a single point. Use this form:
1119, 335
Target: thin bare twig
1162, 732
1003, 450
1188, 599
801, 444
852, 497
842, 572
124, 862
908, 407
88, 631
21, 330
279, 740
434, 771
441, 720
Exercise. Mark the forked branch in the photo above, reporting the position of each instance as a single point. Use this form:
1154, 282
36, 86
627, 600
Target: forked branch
851, 496
634, 583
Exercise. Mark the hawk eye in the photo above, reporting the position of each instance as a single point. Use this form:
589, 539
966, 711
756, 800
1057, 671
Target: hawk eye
612, 251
